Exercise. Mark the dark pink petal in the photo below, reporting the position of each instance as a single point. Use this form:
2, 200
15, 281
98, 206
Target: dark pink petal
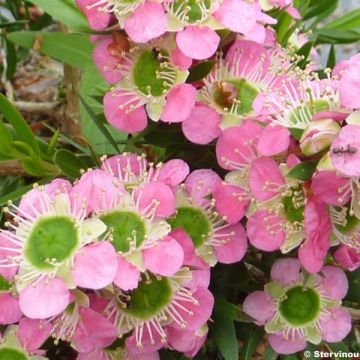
10, 312
235, 246
259, 306
165, 257
182, 61
198, 42
202, 125
45, 299
95, 266
173, 172
286, 346
336, 325
98, 20
33, 333
122, 118
180, 102
231, 201
265, 179
157, 198
286, 271
127, 276
265, 231
347, 257
148, 22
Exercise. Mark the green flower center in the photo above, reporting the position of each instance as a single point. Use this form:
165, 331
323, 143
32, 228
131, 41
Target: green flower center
4, 285
304, 113
149, 298
191, 11
126, 228
52, 240
350, 223
294, 205
235, 95
153, 74
11, 354
194, 222
301, 306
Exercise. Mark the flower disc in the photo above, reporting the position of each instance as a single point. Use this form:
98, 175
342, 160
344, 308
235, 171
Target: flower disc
11, 354
194, 10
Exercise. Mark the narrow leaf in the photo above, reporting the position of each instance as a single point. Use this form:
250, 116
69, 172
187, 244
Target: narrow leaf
303, 171
69, 163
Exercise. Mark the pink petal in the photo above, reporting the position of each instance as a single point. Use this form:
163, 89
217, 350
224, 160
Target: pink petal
165, 258
335, 282
349, 86
266, 236
202, 126
7, 272
198, 42
238, 16
98, 20
127, 276
33, 333
180, 102
236, 244
186, 342
265, 178
331, 188
129, 122
231, 201
182, 61
173, 172
156, 197
148, 22
273, 140
286, 271
293, 12
149, 344
45, 299
257, 34
95, 266
10, 312
336, 326
286, 346
347, 257
259, 306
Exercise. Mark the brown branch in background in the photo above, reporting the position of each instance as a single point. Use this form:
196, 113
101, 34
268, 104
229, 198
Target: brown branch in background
12, 168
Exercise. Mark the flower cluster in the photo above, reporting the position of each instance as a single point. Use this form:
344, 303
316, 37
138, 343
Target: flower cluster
113, 256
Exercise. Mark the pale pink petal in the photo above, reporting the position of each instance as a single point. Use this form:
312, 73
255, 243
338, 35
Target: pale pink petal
127, 276
33, 333
335, 282
10, 312
95, 266
165, 257
202, 125
156, 198
336, 325
7, 272
257, 33
180, 102
349, 86
286, 271
273, 140
173, 172
259, 306
122, 118
265, 178
235, 246
265, 230
293, 12
149, 21
44, 299
286, 346
186, 342
98, 20
198, 42
149, 344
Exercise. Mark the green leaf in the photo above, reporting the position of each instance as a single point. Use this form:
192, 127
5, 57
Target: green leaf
99, 124
348, 21
317, 7
335, 36
303, 171
19, 124
65, 11
270, 354
305, 51
225, 337
331, 61
231, 311
354, 286
6, 139
199, 71
72, 49
11, 59
69, 164
253, 339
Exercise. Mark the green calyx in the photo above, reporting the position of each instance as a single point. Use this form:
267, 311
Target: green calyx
307, 111
152, 74
300, 306
294, 205
52, 240
194, 222
127, 228
12, 354
149, 298
5, 286
235, 92
196, 10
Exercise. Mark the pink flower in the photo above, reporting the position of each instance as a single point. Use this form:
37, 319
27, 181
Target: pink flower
347, 257
317, 315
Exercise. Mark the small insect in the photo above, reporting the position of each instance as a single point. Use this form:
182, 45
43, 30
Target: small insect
348, 150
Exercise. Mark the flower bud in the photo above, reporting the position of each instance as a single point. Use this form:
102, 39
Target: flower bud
318, 136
